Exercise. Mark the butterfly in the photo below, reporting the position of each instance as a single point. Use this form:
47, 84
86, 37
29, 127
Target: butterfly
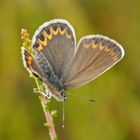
61, 64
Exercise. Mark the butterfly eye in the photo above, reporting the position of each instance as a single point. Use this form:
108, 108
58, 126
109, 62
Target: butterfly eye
63, 95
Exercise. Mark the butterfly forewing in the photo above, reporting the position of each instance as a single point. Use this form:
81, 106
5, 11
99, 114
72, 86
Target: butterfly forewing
95, 54
56, 40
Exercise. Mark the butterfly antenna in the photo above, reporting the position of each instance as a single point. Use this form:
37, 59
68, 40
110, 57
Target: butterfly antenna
63, 117
83, 97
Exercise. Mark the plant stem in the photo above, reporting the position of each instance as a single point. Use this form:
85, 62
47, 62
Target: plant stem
48, 116
49, 119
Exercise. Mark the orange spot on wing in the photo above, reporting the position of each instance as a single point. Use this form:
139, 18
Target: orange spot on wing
115, 58
62, 31
107, 49
44, 42
67, 35
49, 36
86, 46
55, 32
30, 60
112, 53
94, 46
101, 46
40, 48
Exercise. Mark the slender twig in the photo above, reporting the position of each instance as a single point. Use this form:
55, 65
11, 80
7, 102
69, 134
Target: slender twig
48, 116
49, 120
44, 101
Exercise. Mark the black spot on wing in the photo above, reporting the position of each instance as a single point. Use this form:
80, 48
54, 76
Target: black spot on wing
62, 27
41, 36
55, 27
36, 44
48, 31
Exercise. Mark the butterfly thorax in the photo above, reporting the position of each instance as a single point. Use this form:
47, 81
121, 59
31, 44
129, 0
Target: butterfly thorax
52, 81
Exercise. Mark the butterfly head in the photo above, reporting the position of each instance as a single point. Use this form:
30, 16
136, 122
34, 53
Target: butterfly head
59, 95
63, 95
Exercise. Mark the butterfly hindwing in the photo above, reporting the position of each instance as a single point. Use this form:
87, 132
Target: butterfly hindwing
56, 40
95, 55
31, 64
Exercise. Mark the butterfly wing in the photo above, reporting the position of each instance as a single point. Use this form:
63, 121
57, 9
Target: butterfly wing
95, 55
56, 40
31, 64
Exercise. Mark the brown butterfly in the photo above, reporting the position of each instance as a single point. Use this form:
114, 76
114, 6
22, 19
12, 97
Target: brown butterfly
62, 66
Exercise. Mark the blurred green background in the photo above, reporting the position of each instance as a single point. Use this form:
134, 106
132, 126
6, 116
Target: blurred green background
115, 115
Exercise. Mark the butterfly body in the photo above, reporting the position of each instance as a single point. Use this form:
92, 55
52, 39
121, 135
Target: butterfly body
62, 66
49, 78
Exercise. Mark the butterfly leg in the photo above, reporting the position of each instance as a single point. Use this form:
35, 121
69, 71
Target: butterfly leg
36, 90
48, 93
